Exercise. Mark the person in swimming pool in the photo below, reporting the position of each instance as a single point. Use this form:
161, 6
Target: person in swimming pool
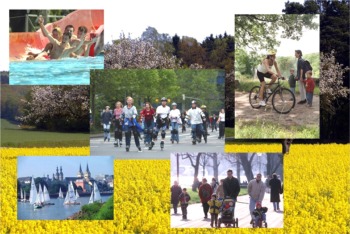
60, 49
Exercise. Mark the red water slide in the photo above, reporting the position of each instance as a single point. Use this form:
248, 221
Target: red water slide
92, 19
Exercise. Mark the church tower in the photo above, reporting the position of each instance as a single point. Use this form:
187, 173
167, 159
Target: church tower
87, 173
61, 174
57, 177
80, 172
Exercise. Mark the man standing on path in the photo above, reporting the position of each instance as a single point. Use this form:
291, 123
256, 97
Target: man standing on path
256, 191
205, 192
175, 193
231, 187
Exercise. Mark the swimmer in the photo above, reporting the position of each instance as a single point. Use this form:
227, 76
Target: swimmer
43, 55
84, 50
60, 49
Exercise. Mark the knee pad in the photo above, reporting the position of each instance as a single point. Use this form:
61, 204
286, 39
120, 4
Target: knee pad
163, 134
172, 131
150, 132
175, 131
155, 134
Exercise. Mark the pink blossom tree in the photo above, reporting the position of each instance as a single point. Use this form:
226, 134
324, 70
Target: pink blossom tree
59, 108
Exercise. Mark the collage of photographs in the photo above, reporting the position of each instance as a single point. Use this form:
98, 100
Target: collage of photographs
164, 126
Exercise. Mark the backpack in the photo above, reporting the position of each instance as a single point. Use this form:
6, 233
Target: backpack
307, 66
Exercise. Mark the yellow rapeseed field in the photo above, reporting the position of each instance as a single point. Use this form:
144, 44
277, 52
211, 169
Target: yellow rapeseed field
316, 193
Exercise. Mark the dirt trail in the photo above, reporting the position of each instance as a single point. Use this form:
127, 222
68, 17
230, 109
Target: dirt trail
301, 115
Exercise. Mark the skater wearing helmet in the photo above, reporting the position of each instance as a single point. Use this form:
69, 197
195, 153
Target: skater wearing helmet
196, 116
175, 120
162, 116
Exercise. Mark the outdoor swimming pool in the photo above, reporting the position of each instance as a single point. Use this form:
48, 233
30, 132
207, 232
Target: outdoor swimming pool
68, 71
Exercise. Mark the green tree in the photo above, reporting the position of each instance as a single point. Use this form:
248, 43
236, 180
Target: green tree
259, 32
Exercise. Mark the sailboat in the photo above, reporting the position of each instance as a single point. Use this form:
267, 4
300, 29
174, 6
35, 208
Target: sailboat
39, 201
76, 194
60, 194
70, 196
21, 195
24, 197
95, 195
47, 197
33, 192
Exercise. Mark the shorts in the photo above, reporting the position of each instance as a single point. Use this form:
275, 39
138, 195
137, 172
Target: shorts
261, 75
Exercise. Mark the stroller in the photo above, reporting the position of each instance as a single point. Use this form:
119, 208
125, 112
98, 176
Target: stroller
227, 213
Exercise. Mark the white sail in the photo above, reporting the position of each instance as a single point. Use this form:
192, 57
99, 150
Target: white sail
21, 194
24, 196
76, 194
40, 195
95, 195
33, 192
60, 194
70, 196
46, 194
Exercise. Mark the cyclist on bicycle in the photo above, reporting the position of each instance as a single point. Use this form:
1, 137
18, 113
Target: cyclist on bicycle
264, 70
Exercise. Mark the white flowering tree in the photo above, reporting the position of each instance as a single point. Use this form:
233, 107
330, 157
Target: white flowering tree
58, 108
136, 53
331, 83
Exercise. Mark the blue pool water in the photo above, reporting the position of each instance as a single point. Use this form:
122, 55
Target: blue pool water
67, 71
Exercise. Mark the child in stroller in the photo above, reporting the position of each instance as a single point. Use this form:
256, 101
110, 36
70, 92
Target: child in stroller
227, 213
260, 216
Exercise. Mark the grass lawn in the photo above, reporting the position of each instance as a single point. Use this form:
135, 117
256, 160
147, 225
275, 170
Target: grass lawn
245, 130
245, 85
14, 136
195, 196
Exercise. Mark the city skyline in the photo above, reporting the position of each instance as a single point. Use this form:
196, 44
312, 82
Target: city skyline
33, 165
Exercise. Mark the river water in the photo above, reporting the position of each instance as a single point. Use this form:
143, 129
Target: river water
25, 211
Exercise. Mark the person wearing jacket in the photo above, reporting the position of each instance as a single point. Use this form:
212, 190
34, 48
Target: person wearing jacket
276, 190
214, 206
184, 199
205, 192
256, 192
231, 186
129, 117
175, 193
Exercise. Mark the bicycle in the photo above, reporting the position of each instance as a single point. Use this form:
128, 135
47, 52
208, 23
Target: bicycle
283, 100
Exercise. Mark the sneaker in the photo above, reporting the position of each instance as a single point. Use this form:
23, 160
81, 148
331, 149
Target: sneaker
127, 148
268, 91
139, 149
262, 103
302, 102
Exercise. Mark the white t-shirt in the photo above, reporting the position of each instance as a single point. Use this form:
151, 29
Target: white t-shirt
195, 115
262, 68
222, 117
163, 111
174, 115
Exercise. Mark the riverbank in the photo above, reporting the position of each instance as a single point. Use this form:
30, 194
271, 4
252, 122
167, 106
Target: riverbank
95, 211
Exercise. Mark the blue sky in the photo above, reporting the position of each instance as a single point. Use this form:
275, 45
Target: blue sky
43, 165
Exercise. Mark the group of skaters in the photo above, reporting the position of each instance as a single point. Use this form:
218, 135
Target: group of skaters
221, 198
152, 121
63, 44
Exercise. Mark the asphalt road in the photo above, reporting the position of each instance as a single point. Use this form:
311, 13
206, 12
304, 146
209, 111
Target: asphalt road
100, 148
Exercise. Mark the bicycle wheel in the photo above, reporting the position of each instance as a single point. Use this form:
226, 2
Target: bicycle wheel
283, 101
254, 97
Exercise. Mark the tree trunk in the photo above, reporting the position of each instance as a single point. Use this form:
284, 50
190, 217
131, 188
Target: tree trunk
247, 166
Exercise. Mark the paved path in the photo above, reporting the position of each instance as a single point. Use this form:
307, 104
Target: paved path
196, 216
100, 148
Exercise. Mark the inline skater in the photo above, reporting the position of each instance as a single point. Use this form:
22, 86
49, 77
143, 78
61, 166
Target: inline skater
162, 116
175, 119
196, 116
